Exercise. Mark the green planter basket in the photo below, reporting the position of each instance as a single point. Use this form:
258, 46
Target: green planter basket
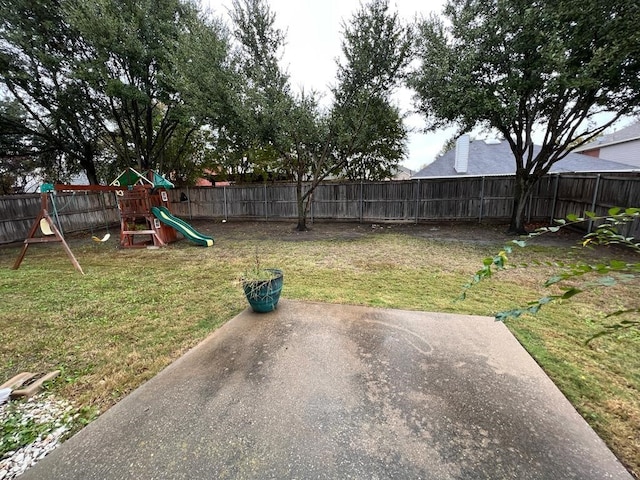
263, 295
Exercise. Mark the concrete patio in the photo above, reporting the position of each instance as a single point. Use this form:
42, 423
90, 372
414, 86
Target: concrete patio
315, 391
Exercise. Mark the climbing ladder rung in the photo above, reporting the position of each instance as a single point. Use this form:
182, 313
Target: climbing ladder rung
139, 232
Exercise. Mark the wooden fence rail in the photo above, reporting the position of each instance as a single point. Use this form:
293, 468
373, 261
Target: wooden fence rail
425, 200
72, 212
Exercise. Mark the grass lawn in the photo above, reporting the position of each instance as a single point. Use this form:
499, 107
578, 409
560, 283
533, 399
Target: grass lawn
135, 311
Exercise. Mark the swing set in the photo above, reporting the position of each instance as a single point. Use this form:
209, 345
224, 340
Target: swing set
49, 229
142, 202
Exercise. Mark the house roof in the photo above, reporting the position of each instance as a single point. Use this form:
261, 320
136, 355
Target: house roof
497, 159
627, 134
401, 169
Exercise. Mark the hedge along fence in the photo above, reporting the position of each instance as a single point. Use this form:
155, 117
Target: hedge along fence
438, 199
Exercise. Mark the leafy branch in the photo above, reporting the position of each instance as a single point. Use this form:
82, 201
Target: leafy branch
606, 233
608, 273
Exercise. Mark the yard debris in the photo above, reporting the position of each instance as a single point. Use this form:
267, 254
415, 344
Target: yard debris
4, 395
31, 382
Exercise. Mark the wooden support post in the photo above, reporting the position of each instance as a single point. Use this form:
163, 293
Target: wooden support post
56, 237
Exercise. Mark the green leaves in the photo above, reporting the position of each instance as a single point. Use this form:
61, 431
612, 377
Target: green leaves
38, 53
370, 136
619, 327
21, 423
570, 293
147, 75
518, 69
603, 274
498, 262
377, 49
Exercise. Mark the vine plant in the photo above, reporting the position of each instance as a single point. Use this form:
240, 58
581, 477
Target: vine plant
609, 231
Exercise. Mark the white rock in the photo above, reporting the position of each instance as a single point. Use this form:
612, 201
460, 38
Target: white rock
41, 408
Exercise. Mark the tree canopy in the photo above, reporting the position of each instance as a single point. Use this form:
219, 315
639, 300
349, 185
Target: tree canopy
18, 148
110, 84
371, 134
98, 86
140, 69
250, 139
38, 48
522, 67
360, 134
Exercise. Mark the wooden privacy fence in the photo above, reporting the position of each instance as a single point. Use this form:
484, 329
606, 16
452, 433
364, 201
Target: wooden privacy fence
439, 199
72, 212
448, 199
401, 201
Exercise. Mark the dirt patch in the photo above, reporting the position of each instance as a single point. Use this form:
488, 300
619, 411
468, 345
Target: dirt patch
466, 232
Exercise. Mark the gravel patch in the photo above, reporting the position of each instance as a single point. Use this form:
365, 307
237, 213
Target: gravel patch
42, 421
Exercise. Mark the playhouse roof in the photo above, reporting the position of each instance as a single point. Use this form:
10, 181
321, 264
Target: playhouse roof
131, 177
159, 180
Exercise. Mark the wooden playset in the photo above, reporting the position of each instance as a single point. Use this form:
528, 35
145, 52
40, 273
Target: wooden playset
135, 201
143, 205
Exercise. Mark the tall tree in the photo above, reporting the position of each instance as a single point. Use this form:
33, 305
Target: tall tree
18, 147
310, 154
251, 139
146, 71
38, 48
521, 67
364, 136
371, 137
361, 134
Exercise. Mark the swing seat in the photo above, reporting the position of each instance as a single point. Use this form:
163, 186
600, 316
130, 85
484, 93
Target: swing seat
45, 227
106, 237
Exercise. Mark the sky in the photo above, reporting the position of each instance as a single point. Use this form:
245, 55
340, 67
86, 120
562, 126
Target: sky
314, 34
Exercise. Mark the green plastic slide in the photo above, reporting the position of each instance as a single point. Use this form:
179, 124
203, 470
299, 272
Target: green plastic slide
164, 215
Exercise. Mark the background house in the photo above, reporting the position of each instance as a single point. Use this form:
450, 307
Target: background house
494, 157
622, 146
402, 173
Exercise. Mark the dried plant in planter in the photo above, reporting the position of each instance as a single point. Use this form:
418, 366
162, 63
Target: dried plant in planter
262, 286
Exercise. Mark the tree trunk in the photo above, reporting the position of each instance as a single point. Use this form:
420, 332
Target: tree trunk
302, 217
89, 166
522, 189
302, 208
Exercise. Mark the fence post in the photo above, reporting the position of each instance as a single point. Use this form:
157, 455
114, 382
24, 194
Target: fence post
480, 208
417, 200
189, 203
635, 222
555, 199
311, 207
266, 212
593, 202
224, 202
212, 198
361, 206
